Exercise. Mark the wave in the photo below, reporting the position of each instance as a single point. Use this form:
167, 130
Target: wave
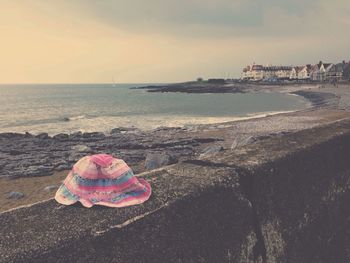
107, 123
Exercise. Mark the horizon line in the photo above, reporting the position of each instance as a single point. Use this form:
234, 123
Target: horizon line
82, 83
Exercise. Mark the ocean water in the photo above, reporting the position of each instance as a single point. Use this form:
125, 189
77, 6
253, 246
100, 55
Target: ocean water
68, 108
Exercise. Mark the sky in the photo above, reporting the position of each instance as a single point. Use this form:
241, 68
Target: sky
153, 41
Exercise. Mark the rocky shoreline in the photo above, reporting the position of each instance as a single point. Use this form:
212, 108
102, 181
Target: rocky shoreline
283, 199
28, 155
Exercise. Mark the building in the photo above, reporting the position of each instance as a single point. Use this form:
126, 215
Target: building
346, 71
336, 72
283, 72
320, 71
294, 74
325, 68
253, 72
257, 72
314, 72
304, 73
247, 73
260, 72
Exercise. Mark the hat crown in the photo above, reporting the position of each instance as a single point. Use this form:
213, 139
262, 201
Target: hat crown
102, 159
103, 180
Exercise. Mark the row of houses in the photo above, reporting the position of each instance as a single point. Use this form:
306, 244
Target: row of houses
319, 72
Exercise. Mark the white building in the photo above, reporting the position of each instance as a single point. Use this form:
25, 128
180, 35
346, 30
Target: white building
259, 72
253, 72
294, 74
304, 73
319, 71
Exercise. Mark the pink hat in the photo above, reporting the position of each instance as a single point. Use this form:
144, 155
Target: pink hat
102, 179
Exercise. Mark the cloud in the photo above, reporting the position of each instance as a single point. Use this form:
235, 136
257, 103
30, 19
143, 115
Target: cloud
195, 17
180, 13
163, 40
205, 18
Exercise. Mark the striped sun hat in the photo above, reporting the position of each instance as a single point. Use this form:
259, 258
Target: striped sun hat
102, 179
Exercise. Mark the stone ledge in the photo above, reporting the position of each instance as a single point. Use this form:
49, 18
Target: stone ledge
39, 232
246, 205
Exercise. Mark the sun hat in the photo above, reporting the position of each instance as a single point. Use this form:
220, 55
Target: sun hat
102, 179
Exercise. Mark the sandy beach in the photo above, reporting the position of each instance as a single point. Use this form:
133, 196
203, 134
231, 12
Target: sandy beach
328, 104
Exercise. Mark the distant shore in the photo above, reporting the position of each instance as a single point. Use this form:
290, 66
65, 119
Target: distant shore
308, 90
232, 86
44, 160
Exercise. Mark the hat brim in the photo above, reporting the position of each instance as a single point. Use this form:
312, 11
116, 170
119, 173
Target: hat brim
66, 197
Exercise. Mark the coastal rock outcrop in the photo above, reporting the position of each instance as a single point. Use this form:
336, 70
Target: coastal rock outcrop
22, 155
156, 160
211, 150
15, 195
240, 141
51, 188
193, 87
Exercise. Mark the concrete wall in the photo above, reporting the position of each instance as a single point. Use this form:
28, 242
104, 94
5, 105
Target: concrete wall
284, 199
303, 204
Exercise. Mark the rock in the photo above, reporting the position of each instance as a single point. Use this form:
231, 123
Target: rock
74, 157
10, 135
61, 136
13, 174
28, 135
23, 155
76, 135
4, 156
211, 150
166, 129
242, 140
38, 170
135, 131
93, 135
131, 145
43, 135
174, 143
156, 160
123, 130
63, 167
15, 195
116, 131
207, 140
51, 188
224, 126
16, 152
81, 148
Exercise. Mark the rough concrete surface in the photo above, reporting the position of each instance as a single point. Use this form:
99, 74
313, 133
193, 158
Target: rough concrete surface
281, 199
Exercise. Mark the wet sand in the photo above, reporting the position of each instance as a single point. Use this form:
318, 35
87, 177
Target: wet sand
32, 188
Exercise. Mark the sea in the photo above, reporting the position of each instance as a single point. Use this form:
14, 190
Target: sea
68, 108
